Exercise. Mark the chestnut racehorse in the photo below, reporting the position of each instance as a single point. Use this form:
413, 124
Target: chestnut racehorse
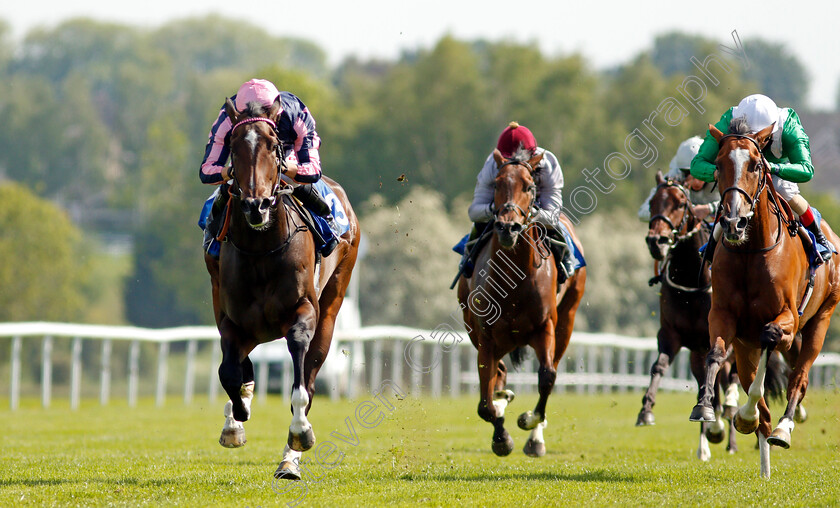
513, 300
267, 285
761, 284
674, 238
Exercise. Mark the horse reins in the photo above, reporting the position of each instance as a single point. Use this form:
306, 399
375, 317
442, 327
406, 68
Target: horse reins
676, 238
510, 205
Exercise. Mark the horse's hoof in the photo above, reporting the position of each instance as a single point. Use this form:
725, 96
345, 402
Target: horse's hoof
800, 415
504, 446
233, 438
534, 448
780, 438
287, 470
528, 420
702, 413
645, 418
715, 436
745, 426
303, 441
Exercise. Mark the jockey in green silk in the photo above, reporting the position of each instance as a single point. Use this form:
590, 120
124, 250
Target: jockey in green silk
788, 154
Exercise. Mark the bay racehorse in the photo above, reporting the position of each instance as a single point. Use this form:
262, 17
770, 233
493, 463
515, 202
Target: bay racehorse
513, 300
267, 285
764, 288
674, 238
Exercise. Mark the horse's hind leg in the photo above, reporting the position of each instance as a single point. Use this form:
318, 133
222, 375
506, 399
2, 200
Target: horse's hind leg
813, 336
669, 346
301, 435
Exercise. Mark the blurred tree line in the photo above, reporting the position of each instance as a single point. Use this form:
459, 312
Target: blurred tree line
109, 122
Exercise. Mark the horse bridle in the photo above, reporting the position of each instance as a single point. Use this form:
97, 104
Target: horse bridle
511, 206
278, 153
760, 165
675, 237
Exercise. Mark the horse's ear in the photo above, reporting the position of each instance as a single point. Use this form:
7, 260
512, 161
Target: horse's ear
660, 178
535, 160
275, 110
497, 156
230, 109
715, 132
763, 136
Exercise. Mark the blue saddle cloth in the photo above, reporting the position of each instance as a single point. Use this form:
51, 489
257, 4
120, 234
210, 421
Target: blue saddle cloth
577, 255
341, 221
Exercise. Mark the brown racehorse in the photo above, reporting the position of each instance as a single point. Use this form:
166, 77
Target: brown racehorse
760, 278
266, 284
513, 300
674, 238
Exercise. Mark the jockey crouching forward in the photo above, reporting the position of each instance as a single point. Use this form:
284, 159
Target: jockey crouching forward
788, 155
549, 181
704, 198
295, 128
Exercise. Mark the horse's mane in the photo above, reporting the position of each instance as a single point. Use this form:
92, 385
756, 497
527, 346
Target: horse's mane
521, 155
740, 126
253, 109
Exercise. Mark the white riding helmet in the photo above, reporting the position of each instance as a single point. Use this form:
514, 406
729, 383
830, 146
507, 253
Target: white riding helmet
685, 153
759, 110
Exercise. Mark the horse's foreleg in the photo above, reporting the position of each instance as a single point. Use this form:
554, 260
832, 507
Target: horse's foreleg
237, 409
704, 410
546, 376
488, 409
669, 346
298, 337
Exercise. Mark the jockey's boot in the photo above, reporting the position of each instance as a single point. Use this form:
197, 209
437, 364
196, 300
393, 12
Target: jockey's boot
562, 258
470, 254
821, 239
214, 221
313, 201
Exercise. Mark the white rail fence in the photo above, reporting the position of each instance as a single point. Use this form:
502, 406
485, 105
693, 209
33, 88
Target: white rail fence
432, 361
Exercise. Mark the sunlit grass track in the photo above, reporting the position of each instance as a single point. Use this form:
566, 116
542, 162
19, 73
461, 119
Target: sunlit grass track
427, 452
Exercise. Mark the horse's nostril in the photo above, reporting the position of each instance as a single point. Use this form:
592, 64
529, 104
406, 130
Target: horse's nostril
516, 227
742, 223
265, 204
662, 240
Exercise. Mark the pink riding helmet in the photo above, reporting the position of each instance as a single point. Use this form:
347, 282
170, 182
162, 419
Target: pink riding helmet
259, 90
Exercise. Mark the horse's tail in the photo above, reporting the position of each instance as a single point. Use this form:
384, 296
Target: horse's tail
518, 355
776, 379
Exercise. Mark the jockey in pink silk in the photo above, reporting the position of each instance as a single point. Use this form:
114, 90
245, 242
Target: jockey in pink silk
295, 127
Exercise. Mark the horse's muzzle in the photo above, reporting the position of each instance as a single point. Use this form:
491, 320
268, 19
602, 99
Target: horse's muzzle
257, 210
658, 246
508, 233
734, 228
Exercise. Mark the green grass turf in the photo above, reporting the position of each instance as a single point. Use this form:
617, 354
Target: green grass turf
426, 452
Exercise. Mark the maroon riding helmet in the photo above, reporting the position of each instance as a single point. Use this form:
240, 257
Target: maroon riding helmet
515, 136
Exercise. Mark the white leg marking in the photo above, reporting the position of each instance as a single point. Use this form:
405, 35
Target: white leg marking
247, 394
718, 426
230, 421
786, 424
500, 404
300, 399
749, 411
800, 415
732, 395
764, 455
704, 453
290, 455
537, 433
